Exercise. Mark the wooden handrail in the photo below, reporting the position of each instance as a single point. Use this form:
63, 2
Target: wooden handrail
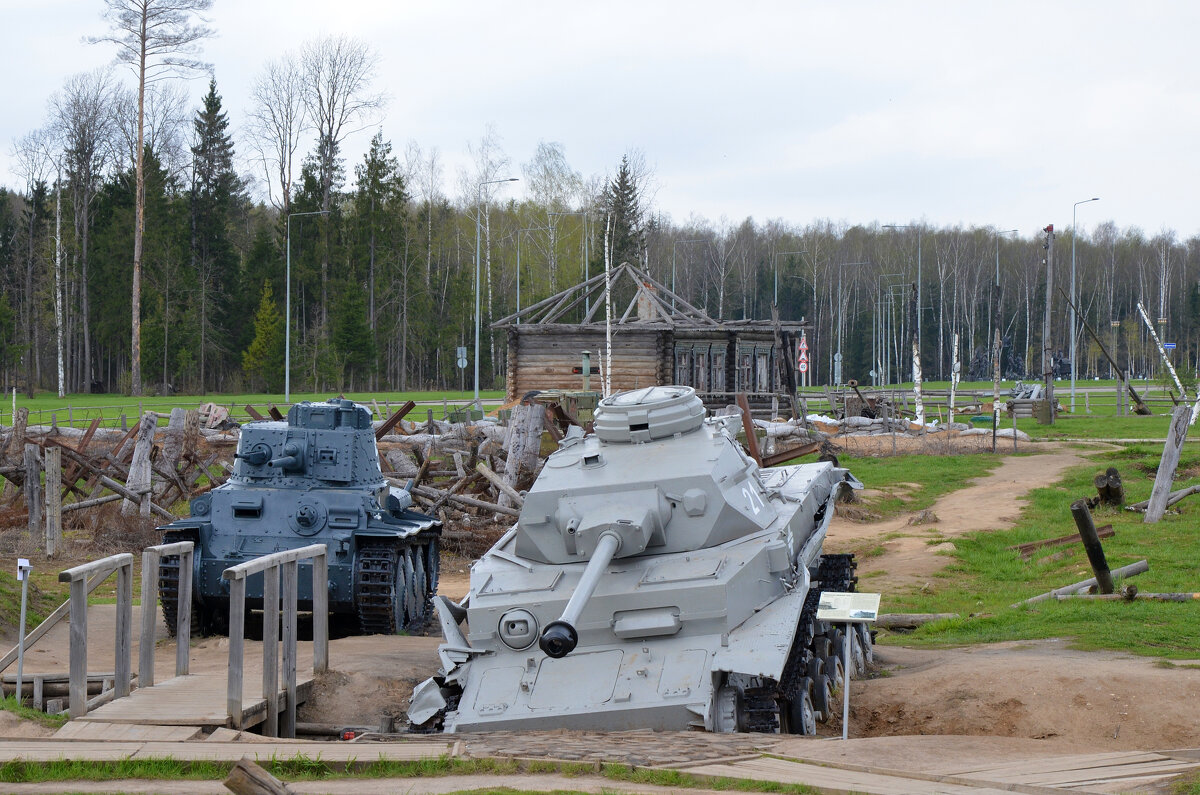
78, 577
280, 574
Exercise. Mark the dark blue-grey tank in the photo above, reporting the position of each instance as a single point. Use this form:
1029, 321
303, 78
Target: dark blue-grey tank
312, 478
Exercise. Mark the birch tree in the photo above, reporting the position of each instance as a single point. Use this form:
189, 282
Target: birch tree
158, 39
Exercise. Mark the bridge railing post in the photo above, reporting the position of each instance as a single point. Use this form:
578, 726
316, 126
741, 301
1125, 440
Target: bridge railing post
151, 558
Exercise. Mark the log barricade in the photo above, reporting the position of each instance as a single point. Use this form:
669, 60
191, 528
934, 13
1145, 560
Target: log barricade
80, 577
151, 557
280, 572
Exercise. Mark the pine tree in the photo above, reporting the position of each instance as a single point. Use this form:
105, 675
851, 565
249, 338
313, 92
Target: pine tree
216, 191
263, 361
620, 201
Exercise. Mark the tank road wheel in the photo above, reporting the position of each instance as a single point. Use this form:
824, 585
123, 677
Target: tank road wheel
432, 566
864, 642
822, 698
421, 580
379, 590
412, 604
835, 670
801, 714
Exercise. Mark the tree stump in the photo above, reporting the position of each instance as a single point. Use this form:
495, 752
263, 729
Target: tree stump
523, 446
1109, 487
33, 488
139, 480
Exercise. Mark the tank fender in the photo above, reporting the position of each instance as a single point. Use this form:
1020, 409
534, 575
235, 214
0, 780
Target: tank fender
427, 700
760, 645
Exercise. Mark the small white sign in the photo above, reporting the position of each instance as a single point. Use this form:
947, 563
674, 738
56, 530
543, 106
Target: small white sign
841, 607
23, 568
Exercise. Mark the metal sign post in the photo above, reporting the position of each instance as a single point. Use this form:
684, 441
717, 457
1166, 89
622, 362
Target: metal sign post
23, 569
849, 609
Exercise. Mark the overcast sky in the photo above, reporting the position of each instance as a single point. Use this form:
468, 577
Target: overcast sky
979, 113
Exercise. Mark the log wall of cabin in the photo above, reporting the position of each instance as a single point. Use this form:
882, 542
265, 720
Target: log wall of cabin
544, 358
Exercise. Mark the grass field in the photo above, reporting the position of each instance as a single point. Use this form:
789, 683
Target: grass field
79, 409
985, 576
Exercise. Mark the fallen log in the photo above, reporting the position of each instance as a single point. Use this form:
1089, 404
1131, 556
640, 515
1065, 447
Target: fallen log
391, 421
1172, 498
441, 496
1026, 550
499, 483
93, 502
910, 620
1125, 571
1131, 597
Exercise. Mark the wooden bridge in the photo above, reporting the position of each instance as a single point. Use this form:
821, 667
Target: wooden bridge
231, 697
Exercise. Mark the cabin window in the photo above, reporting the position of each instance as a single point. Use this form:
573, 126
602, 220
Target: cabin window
683, 366
718, 371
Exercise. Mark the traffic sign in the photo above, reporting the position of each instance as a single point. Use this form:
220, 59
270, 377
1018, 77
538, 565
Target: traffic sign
804, 367
461, 357
803, 341
803, 356
1169, 346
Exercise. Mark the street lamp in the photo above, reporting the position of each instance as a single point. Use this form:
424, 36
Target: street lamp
519, 232
478, 202
775, 265
1074, 234
673, 245
997, 347
287, 311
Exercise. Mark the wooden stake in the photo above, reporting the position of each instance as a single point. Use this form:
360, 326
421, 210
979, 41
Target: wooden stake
1176, 436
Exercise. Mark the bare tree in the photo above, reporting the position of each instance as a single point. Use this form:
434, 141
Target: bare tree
338, 71
157, 38
277, 121
85, 124
34, 162
425, 171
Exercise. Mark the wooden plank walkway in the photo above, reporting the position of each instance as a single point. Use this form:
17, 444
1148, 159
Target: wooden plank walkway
50, 751
1113, 772
195, 700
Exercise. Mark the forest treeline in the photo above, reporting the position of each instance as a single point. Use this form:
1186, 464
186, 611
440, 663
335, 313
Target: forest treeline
383, 253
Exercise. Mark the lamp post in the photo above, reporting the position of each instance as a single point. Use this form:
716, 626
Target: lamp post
478, 202
519, 233
1074, 234
996, 344
775, 263
673, 245
287, 310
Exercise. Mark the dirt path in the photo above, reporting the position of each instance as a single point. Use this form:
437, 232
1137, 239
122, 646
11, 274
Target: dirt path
992, 502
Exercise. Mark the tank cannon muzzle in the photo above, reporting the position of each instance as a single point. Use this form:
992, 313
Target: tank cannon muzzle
560, 637
292, 458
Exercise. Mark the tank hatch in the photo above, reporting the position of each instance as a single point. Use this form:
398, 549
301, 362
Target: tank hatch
655, 412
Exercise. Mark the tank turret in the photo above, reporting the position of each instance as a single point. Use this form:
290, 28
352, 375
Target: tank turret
313, 477
657, 577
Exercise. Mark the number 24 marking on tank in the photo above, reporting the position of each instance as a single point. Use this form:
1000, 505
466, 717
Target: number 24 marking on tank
756, 502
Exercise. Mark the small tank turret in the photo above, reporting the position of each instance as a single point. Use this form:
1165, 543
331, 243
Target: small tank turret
657, 577
314, 477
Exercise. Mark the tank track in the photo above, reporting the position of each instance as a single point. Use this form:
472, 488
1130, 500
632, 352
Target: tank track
203, 622
805, 668
394, 584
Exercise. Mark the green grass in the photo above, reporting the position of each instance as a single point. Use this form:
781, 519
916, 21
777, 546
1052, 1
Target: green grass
931, 475
985, 577
10, 704
302, 768
81, 408
1188, 784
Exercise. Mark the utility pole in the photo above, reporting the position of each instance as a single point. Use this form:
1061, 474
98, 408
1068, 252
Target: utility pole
1047, 352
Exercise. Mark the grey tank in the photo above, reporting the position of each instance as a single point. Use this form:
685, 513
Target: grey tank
656, 578
314, 478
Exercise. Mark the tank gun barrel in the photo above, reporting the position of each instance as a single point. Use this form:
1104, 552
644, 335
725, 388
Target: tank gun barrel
560, 637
